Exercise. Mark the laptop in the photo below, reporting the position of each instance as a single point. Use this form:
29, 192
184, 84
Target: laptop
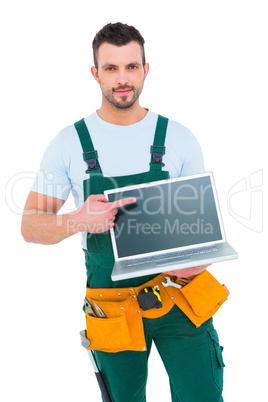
174, 224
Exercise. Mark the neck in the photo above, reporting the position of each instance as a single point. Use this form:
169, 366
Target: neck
121, 117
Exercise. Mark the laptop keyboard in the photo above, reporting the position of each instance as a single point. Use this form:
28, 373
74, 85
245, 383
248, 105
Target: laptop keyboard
176, 254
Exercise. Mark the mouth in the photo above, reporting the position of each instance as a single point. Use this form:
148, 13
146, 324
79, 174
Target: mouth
123, 92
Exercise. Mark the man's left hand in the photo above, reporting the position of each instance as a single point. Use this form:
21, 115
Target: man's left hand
185, 272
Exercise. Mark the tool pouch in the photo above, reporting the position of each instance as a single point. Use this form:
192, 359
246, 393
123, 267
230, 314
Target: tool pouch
201, 298
122, 329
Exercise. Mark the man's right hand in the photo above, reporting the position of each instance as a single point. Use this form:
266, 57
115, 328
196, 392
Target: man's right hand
97, 214
42, 224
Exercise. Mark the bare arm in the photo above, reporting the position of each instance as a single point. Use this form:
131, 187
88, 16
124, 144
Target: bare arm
42, 225
184, 272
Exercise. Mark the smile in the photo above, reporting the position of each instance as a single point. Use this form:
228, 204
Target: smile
124, 92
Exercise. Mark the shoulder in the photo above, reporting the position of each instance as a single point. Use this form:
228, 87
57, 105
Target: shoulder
178, 130
184, 147
62, 149
67, 140
182, 136
179, 135
68, 134
63, 138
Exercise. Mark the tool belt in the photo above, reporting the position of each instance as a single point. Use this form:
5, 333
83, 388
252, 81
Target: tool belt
122, 326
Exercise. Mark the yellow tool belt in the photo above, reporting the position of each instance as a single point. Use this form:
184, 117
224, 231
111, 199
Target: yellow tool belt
122, 329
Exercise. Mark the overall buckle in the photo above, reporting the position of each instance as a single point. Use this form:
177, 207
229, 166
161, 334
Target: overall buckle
157, 156
91, 161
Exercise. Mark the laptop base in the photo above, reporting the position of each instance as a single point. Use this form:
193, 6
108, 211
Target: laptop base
122, 270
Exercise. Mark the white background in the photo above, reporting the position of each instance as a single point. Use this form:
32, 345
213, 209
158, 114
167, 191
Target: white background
208, 71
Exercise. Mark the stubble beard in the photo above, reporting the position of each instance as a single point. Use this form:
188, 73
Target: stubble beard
124, 103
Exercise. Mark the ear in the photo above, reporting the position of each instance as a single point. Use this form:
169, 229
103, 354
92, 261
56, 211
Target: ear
94, 72
146, 69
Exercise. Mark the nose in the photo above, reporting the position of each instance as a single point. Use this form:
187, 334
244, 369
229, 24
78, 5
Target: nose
122, 78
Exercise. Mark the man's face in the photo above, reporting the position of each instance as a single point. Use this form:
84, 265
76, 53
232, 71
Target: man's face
120, 73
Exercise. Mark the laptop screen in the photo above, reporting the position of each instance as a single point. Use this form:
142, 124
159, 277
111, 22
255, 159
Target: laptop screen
168, 215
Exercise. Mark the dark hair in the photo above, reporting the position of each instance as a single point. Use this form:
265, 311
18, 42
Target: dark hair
117, 34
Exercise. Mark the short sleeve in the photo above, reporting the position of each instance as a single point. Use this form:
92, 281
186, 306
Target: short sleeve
53, 179
193, 161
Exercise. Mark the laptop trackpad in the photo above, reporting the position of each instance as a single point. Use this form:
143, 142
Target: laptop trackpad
172, 261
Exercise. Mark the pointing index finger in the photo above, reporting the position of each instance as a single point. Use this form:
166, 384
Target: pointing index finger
124, 201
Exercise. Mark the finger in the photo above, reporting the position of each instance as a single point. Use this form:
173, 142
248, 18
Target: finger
100, 197
111, 215
124, 201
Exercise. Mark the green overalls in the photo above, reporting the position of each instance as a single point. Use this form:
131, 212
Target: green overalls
192, 356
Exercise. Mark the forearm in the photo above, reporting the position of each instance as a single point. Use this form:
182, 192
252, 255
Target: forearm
96, 215
47, 228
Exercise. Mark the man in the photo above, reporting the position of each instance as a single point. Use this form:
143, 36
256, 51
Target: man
115, 142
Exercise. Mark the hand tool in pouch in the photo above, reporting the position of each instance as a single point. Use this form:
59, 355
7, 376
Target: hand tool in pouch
88, 308
149, 298
86, 343
169, 282
99, 311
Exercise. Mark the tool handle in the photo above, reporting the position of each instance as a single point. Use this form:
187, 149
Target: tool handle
104, 391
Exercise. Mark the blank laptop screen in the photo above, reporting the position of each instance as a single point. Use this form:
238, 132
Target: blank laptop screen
166, 216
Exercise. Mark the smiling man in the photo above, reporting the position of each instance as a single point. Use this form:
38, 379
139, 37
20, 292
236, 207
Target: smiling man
115, 146
121, 83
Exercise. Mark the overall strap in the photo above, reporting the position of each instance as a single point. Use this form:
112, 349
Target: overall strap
158, 149
90, 155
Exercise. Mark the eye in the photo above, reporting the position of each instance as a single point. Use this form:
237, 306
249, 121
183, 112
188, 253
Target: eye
110, 69
132, 67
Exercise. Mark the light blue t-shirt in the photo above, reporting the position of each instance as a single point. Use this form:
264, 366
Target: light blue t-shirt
122, 150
